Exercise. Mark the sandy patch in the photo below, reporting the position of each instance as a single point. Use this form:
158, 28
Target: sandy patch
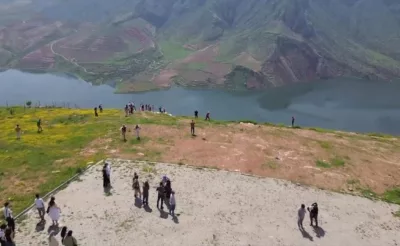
215, 208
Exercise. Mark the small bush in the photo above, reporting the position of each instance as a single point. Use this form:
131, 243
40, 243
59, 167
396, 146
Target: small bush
337, 162
323, 164
392, 196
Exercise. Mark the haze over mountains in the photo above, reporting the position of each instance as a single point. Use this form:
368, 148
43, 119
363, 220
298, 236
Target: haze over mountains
144, 44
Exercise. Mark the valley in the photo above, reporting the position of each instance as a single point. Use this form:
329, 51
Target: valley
229, 44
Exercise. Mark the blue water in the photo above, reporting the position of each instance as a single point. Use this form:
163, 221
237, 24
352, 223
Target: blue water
344, 104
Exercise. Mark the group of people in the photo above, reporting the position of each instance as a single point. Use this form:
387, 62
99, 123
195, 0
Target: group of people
130, 108
313, 210
124, 129
7, 231
100, 109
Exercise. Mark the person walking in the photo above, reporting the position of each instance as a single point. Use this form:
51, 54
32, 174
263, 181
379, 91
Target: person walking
18, 131
192, 127
208, 116
146, 188
53, 211
293, 119
196, 114
70, 240
40, 207
9, 235
301, 213
95, 112
172, 203
137, 129
9, 217
39, 125
126, 110
101, 108
106, 181
3, 228
136, 187
160, 197
63, 233
123, 133
313, 214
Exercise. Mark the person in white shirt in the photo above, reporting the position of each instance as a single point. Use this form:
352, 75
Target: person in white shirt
137, 129
172, 204
301, 214
40, 207
9, 217
108, 170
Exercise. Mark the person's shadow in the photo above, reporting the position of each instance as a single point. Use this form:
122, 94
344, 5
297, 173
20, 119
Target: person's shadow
147, 209
107, 190
175, 218
319, 231
40, 226
163, 214
138, 202
54, 228
305, 234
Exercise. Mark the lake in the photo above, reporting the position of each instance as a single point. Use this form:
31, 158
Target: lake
343, 104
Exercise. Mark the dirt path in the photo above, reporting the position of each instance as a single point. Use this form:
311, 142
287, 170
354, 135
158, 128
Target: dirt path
214, 208
354, 164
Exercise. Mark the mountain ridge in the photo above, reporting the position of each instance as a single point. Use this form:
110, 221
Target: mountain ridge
283, 42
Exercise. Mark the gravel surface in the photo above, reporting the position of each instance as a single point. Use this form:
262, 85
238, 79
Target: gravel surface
213, 208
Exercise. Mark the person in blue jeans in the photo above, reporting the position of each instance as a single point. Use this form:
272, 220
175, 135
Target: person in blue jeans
172, 204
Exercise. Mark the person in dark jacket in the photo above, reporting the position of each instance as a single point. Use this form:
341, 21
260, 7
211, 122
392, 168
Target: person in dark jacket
313, 210
161, 195
146, 188
167, 190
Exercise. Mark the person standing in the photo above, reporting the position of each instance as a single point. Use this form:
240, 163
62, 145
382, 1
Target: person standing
95, 112
40, 207
101, 108
54, 211
108, 172
126, 110
196, 114
136, 187
9, 217
123, 132
313, 214
172, 204
63, 233
70, 240
146, 188
18, 131
39, 125
192, 127
106, 182
160, 197
208, 116
300, 216
293, 119
167, 190
137, 129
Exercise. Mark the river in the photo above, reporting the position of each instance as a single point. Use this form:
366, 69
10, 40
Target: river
343, 104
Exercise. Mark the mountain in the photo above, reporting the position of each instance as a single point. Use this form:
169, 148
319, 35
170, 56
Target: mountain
234, 44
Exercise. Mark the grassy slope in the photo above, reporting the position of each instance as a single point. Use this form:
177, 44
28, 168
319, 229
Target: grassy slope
41, 161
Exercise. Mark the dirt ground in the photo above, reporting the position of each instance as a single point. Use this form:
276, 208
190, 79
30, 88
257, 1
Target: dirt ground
364, 164
213, 208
